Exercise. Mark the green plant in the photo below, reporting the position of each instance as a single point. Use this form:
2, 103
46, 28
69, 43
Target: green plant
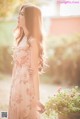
64, 102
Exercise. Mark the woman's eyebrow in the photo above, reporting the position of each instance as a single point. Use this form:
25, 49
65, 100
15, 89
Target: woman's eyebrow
21, 12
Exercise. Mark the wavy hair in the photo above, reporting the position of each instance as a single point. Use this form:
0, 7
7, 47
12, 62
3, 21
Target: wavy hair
33, 22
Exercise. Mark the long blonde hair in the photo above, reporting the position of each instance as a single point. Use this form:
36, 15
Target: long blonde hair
33, 22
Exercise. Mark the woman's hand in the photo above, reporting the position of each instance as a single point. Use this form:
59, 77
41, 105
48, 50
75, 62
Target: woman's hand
41, 107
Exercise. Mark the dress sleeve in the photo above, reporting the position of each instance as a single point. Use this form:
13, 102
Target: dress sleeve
34, 67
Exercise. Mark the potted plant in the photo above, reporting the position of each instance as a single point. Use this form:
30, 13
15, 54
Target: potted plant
65, 103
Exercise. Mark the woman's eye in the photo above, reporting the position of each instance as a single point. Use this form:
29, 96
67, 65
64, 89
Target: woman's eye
21, 14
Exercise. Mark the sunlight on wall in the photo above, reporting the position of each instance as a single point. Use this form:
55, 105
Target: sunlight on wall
58, 8
70, 9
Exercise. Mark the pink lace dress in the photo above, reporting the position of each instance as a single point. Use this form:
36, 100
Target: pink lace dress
25, 70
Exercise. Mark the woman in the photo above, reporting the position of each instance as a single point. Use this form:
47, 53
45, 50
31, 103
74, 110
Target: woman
28, 61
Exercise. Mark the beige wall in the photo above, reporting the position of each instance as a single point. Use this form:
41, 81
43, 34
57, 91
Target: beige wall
65, 26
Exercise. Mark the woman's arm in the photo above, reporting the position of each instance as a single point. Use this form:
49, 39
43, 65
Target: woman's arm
35, 74
34, 67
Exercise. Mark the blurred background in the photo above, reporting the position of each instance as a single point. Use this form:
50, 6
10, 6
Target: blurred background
61, 20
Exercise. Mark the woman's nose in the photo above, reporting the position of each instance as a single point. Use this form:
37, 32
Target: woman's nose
18, 17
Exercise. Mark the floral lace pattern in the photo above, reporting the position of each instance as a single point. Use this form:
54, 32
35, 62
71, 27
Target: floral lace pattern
22, 101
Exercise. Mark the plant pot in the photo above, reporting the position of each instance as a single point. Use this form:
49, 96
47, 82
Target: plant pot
75, 115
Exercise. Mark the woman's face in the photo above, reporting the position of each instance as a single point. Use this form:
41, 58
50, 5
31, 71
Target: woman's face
21, 19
